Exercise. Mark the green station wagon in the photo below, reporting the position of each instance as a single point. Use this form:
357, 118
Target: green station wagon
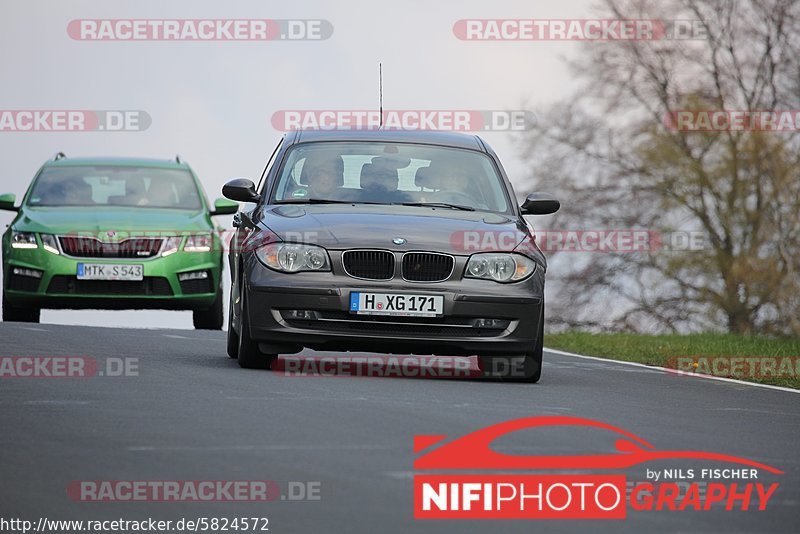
113, 233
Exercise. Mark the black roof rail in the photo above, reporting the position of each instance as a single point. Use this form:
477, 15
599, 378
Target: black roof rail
59, 156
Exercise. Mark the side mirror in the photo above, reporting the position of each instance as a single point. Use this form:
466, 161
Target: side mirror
540, 204
241, 190
7, 202
223, 206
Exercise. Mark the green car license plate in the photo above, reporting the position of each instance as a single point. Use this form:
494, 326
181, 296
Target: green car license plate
107, 271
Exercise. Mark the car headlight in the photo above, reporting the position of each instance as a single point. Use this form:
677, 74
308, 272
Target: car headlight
293, 258
500, 267
170, 245
23, 240
49, 243
198, 243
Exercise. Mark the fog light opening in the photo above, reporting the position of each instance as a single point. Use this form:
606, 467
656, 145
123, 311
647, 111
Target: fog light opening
196, 275
490, 323
32, 273
307, 315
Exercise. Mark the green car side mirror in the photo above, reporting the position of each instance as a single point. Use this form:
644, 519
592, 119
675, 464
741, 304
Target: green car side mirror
7, 202
223, 206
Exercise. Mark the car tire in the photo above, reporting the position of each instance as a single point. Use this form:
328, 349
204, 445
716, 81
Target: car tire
250, 357
531, 366
233, 337
210, 319
533, 360
19, 314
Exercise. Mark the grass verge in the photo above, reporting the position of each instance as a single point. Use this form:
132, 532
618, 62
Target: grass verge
774, 361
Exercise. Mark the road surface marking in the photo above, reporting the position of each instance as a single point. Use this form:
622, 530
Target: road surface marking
656, 368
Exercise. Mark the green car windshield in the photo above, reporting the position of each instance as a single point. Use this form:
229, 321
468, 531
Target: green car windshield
87, 186
391, 173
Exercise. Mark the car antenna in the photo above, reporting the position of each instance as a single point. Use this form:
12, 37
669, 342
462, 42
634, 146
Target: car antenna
59, 156
178, 158
380, 90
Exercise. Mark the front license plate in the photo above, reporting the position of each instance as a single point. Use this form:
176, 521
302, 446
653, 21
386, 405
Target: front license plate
106, 271
396, 304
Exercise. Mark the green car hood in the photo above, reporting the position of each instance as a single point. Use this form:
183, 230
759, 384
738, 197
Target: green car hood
71, 220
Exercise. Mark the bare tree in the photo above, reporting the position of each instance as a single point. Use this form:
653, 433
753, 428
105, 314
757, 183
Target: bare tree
616, 162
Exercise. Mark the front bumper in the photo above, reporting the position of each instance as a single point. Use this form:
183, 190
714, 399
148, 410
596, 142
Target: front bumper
287, 311
59, 287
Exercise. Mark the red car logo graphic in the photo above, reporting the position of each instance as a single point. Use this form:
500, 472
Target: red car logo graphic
473, 450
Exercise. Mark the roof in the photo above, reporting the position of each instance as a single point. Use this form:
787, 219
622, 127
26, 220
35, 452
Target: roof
117, 162
426, 137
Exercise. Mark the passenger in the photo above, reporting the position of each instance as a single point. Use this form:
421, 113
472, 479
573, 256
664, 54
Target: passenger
135, 191
161, 194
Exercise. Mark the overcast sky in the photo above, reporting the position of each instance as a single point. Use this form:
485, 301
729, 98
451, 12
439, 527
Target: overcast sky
211, 102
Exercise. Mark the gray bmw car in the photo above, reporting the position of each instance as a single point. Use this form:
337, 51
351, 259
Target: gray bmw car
387, 241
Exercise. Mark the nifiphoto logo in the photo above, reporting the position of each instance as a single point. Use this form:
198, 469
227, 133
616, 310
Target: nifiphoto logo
456, 493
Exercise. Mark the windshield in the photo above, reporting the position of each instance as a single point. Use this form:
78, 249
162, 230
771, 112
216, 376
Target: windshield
115, 186
390, 173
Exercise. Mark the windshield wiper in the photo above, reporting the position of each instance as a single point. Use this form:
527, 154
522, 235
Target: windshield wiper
323, 201
439, 205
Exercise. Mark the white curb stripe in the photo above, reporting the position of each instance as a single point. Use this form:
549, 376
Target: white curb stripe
673, 371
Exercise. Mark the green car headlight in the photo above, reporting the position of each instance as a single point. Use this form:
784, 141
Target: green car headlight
23, 240
500, 267
198, 243
170, 245
293, 258
49, 243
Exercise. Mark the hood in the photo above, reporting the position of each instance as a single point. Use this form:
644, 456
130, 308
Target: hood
120, 220
339, 227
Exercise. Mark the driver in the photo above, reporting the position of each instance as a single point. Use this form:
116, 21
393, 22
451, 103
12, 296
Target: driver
380, 181
324, 175
452, 182
457, 178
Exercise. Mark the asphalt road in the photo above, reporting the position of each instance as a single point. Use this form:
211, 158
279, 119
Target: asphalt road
193, 414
